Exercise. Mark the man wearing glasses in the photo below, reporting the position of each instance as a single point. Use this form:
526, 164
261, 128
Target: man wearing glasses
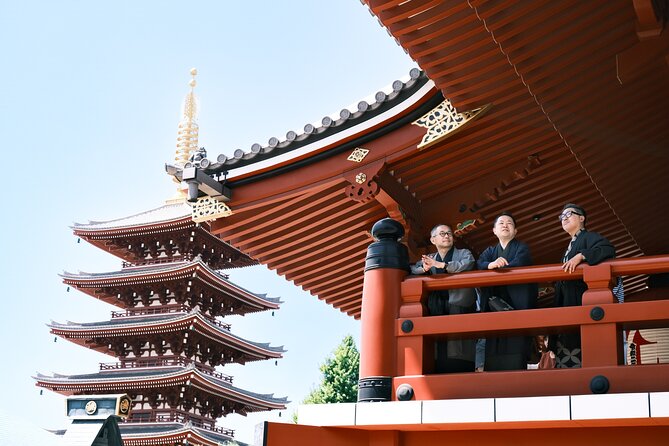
456, 355
585, 246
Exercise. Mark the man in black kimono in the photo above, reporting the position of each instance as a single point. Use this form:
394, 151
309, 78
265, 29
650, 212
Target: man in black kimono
585, 246
507, 353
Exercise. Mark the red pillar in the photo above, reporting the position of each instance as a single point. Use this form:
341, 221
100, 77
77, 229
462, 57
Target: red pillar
386, 266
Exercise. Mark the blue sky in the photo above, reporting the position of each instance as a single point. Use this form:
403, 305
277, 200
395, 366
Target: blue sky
91, 95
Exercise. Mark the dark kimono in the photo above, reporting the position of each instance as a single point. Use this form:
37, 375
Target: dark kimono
596, 249
508, 353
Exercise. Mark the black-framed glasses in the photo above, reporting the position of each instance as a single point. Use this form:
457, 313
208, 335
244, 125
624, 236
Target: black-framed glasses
565, 215
444, 234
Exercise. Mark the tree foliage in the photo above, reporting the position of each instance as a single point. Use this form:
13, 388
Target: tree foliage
339, 383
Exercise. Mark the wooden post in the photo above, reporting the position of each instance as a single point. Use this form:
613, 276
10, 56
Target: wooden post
415, 353
385, 267
601, 342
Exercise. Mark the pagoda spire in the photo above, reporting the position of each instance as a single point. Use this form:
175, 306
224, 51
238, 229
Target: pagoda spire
187, 137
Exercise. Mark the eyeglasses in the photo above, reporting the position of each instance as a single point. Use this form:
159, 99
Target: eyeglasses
443, 234
567, 214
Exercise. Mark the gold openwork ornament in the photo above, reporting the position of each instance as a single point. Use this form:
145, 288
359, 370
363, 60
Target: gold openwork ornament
444, 120
91, 407
360, 178
208, 209
358, 155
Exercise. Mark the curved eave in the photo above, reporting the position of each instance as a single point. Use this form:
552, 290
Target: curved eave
104, 233
402, 97
89, 283
79, 334
105, 238
184, 376
171, 433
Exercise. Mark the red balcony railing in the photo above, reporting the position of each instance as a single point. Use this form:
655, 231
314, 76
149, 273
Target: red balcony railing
601, 333
178, 416
164, 362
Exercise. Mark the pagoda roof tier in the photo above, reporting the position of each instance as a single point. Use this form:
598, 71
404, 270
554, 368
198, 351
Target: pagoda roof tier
98, 335
135, 381
552, 87
163, 234
171, 433
133, 284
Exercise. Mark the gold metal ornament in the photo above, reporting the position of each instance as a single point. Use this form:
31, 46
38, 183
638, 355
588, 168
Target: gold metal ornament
444, 120
208, 209
358, 155
360, 178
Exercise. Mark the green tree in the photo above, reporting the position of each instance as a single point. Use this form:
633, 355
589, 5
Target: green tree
339, 383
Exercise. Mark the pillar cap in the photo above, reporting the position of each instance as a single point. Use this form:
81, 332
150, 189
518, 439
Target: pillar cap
387, 228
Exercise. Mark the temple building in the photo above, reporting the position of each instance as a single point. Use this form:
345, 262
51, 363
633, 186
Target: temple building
167, 333
515, 106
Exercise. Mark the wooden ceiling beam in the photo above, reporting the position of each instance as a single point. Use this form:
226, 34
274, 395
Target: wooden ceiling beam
302, 270
358, 222
317, 224
278, 223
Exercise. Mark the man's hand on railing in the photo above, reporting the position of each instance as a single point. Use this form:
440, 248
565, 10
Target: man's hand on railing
500, 262
571, 264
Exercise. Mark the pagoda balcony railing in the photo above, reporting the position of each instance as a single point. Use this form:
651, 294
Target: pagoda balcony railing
157, 261
166, 309
178, 416
398, 335
143, 311
164, 362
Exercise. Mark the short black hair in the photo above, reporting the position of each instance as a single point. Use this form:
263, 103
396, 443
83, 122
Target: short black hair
504, 214
432, 234
576, 207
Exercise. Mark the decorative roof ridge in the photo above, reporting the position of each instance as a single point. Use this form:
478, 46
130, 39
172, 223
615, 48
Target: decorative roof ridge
371, 106
158, 267
86, 226
154, 318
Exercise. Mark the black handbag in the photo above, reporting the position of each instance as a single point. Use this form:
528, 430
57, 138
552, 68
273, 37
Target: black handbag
499, 304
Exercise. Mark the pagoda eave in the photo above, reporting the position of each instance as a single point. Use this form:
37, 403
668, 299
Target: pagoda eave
141, 381
196, 323
169, 433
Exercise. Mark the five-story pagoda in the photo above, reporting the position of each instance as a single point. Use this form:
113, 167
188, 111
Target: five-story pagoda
168, 335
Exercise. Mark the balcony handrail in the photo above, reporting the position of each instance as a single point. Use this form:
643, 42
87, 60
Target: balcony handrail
540, 273
599, 319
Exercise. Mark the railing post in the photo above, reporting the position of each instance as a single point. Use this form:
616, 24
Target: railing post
386, 266
414, 352
601, 342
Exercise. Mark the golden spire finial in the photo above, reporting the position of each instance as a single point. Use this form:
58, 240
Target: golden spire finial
187, 135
